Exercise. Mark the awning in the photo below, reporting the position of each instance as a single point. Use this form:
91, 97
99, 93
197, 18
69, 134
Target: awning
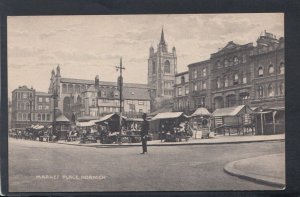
201, 112
168, 115
62, 118
85, 124
135, 119
231, 111
108, 117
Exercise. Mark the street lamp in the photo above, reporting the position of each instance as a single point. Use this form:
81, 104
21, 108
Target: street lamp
30, 108
120, 86
54, 96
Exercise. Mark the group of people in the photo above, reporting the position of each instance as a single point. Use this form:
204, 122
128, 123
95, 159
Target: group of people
32, 134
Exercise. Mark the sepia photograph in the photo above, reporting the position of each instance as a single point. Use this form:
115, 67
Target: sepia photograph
148, 102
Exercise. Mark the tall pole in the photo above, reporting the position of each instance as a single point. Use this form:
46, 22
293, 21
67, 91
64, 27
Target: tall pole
30, 106
120, 85
54, 96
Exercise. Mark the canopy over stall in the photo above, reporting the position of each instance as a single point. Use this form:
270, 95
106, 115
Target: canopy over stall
201, 111
112, 121
169, 115
235, 117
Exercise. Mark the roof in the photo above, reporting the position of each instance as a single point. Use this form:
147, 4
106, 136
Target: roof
136, 93
86, 124
43, 94
107, 117
107, 83
22, 88
86, 118
231, 111
167, 115
182, 73
201, 111
62, 118
199, 63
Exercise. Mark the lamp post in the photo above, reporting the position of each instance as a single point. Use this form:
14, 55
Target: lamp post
54, 96
30, 108
120, 86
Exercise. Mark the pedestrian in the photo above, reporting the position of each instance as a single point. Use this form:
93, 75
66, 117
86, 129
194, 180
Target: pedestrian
144, 133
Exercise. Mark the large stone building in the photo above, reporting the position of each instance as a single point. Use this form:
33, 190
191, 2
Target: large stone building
235, 75
31, 105
95, 98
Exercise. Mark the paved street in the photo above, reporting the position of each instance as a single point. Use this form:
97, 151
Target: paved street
46, 167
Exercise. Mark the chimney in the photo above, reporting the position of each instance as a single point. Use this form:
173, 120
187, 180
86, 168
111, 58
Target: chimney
97, 82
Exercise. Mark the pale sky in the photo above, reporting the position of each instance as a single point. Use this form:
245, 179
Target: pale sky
86, 46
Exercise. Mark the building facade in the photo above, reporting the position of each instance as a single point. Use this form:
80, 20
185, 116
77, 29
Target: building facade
31, 107
95, 98
200, 85
181, 92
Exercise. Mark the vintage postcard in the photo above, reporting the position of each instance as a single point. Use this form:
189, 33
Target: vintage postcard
160, 102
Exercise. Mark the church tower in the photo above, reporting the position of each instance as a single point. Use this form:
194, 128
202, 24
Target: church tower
162, 67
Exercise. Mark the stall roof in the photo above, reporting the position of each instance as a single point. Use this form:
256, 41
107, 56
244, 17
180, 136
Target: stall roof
231, 111
135, 119
167, 115
201, 111
108, 116
85, 124
62, 118
86, 118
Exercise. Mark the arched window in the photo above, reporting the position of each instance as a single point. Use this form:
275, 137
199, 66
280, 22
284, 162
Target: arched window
77, 88
218, 82
281, 68
281, 88
270, 90
153, 67
167, 67
64, 88
235, 60
225, 81
260, 91
244, 78
260, 71
271, 69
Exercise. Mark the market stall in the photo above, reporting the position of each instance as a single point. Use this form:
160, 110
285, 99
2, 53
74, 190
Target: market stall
170, 126
234, 119
200, 123
62, 127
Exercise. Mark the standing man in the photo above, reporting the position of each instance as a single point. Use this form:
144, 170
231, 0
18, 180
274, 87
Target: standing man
144, 133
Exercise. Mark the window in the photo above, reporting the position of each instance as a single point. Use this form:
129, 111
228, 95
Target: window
204, 85
219, 65
167, 67
244, 60
40, 107
131, 108
195, 74
140, 110
19, 116
70, 88
203, 101
153, 67
141, 102
64, 88
204, 72
179, 91
129, 102
39, 117
218, 82
187, 90
182, 79
225, 62
47, 100
195, 87
281, 68
235, 79
225, 81
271, 69
244, 78
25, 96
260, 72
281, 89
48, 117
43, 117
260, 91
103, 93
47, 107
40, 99
28, 116
270, 90
24, 116
235, 60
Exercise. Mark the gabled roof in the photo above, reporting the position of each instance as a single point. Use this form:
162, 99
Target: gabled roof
232, 111
62, 118
167, 115
133, 93
230, 45
201, 111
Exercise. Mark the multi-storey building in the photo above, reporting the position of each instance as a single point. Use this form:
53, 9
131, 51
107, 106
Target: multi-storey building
30, 106
95, 98
268, 72
200, 85
181, 92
